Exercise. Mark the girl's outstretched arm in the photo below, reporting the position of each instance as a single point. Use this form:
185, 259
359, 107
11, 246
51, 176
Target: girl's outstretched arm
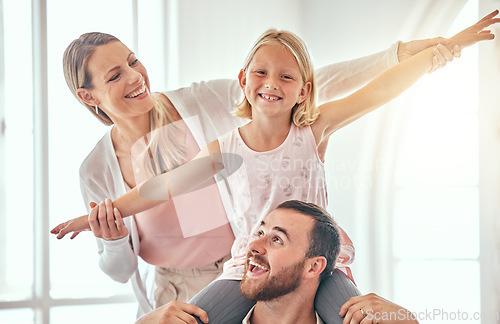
390, 84
187, 177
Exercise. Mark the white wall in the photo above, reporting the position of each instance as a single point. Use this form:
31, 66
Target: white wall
489, 159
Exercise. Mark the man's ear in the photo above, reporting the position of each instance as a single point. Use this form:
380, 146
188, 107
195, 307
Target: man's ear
242, 78
87, 97
315, 267
304, 92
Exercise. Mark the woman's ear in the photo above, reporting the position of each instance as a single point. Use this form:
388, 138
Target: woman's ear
304, 92
242, 78
87, 97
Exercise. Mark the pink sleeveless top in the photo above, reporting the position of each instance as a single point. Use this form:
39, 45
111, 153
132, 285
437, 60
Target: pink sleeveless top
189, 231
291, 171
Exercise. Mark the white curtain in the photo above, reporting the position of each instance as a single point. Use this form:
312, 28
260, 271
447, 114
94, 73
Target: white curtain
360, 157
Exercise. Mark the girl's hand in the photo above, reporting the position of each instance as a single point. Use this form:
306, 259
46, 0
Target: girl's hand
374, 309
106, 222
476, 32
75, 225
449, 48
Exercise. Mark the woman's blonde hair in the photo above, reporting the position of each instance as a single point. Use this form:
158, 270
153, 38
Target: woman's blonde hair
306, 112
77, 75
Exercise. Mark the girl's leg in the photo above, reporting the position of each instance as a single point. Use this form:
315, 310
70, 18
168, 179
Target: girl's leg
223, 302
333, 292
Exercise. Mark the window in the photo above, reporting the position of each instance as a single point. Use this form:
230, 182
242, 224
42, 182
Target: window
16, 278
71, 138
45, 135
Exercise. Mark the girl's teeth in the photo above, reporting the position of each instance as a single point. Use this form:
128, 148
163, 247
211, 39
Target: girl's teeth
269, 98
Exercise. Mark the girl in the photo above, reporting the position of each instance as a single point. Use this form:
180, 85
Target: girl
107, 78
286, 127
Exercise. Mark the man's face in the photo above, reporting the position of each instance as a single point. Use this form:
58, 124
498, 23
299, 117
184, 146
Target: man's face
276, 258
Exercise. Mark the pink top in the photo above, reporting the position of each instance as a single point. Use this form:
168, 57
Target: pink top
293, 170
191, 230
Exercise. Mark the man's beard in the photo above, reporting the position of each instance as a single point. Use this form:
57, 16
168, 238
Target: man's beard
281, 284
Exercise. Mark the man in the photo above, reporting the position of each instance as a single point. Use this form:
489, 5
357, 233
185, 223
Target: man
294, 249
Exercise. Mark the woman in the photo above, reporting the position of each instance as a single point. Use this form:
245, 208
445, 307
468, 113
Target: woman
106, 77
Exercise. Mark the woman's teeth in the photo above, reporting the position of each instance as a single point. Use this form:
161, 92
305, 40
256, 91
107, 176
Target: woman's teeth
137, 92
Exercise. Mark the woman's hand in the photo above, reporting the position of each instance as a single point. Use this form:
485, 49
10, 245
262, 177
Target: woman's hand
106, 222
374, 309
75, 225
442, 54
173, 313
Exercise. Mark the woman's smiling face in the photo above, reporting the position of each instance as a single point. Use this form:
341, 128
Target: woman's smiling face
120, 84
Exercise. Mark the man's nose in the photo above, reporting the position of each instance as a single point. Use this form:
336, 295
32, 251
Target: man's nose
257, 246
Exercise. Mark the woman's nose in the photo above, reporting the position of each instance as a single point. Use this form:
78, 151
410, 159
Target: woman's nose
135, 77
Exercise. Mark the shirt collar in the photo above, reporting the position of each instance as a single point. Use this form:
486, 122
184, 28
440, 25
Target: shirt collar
246, 320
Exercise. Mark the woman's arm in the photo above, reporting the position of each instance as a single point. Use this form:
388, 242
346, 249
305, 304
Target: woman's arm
337, 80
117, 258
337, 114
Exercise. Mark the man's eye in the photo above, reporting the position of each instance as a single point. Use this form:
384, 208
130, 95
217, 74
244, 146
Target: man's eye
259, 233
278, 240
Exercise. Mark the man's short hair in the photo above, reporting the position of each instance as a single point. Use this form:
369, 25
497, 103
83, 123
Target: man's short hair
324, 239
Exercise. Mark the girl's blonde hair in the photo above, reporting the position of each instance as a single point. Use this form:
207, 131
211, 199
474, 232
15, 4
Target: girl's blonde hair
77, 75
306, 112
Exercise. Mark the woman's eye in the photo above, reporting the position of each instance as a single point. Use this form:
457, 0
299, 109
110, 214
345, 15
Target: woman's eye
134, 62
114, 77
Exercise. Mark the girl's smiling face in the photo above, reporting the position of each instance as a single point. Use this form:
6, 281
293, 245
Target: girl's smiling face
273, 82
120, 82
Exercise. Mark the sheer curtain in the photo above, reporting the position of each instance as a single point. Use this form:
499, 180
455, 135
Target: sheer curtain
360, 157
372, 189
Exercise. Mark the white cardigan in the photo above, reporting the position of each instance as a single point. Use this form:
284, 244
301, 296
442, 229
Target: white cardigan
210, 103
